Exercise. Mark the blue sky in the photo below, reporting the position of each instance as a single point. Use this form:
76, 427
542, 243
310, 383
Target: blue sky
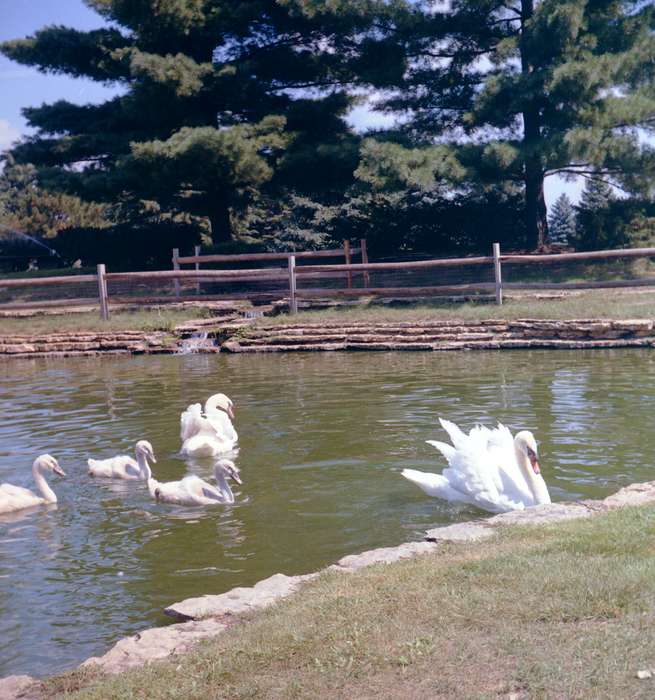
21, 86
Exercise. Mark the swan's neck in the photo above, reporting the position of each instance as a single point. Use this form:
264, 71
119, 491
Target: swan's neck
536, 482
47, 493
144, 467
224, 487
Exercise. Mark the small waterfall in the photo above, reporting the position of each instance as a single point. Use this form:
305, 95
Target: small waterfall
196, 342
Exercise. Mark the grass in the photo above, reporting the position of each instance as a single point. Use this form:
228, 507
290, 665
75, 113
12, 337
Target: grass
591, 304
557, 611
158, 319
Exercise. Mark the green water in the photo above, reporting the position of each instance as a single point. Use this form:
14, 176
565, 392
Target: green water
322, 439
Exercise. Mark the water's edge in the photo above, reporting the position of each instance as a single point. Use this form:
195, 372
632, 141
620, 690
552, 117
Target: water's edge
244, 336
206, 616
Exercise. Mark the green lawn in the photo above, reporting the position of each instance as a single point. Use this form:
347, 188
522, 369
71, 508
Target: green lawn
606, 303
561, 611
161, 318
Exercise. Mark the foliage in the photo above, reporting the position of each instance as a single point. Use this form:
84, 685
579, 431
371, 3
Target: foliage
219, 100
605, 221
526, 89
26, 207
561, 222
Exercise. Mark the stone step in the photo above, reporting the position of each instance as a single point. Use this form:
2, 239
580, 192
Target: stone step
381, 338
497, 344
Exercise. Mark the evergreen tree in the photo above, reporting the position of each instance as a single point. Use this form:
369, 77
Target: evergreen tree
523, 90
28, 208
596, 227
561, 222
220, 99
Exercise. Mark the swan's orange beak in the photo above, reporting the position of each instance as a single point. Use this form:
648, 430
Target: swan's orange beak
230, 411
58, 470
535, 465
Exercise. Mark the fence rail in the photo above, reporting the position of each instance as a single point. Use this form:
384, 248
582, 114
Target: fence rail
293, 274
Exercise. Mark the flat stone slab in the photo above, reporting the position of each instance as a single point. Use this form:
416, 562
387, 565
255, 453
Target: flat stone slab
15, 687
538, 515
460, 532
238, 600
383, 555
155, 643
633, 495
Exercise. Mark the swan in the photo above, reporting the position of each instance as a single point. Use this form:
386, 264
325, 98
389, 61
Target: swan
123, 466
15, 497
486, 468
194, 491
210, 434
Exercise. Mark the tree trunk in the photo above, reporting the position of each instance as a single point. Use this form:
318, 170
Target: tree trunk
221, 225
535, 204
533, 171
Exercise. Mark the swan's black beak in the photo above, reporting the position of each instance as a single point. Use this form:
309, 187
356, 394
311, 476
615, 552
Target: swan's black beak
58, 470
236, 477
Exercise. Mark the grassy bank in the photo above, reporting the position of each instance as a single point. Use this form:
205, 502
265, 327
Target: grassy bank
591, 304
559, 611
157, 319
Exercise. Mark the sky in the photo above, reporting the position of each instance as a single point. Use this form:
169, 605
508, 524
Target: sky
22, 86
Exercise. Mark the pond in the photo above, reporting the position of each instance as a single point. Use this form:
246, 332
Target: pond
322, 440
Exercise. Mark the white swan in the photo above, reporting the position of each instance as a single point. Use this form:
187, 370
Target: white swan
124, 466
487, 468
194, 491
15, 497
210, 434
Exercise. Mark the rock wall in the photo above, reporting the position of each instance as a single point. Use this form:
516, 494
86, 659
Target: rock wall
444, 335
241, 335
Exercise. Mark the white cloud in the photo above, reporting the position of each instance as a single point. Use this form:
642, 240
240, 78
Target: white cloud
8, 134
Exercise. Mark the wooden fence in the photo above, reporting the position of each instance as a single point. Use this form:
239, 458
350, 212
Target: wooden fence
347, 252
292, 273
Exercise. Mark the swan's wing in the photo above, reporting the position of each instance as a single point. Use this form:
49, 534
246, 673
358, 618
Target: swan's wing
457, 437
221, 423
191, 421
131, 469
200, 492
435, 485
204, 445
114, 467
12, 491
448, 451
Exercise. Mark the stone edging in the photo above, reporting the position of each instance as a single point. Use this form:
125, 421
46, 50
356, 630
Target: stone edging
240, 335
491, 334
209, 615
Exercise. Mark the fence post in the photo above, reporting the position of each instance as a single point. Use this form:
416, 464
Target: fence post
362, 245
498, 274
196, 252
293, 303
346, 254
176, 266
102, 293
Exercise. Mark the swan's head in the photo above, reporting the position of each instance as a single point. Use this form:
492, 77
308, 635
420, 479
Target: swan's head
226, 467
220, 402
48, 463
525, 443
144, 448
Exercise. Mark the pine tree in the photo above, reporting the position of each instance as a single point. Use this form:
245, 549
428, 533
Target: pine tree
523, 90
220, 99
596, 227
28, 208
561, 222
